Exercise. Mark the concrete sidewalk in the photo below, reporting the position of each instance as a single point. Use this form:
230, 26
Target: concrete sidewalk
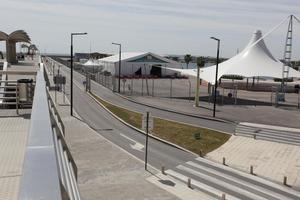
270, 160
106, 171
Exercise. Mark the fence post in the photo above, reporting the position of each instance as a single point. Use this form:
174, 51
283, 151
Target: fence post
190, 87
152, 87
171, 88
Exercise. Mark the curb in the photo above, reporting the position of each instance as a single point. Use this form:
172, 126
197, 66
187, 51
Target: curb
139, 130
177, 112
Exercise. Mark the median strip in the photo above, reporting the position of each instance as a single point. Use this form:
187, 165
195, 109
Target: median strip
195, 139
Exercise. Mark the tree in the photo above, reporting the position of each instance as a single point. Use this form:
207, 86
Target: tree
200, 61
187, 59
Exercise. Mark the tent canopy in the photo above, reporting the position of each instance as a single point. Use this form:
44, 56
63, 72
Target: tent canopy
91, 62
254, 60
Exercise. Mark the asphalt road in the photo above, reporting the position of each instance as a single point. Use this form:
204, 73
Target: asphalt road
108, 95
215, 178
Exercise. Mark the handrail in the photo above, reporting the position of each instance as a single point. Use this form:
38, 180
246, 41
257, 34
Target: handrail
19, 72
66, 164
61, 133
48, 164
40, 178
52, 105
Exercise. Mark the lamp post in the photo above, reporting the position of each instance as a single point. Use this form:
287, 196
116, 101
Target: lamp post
216, 78
119, 82
71, 92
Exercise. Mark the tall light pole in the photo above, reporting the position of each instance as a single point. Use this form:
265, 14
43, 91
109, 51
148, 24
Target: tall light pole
71, 92
216, 78
119, 82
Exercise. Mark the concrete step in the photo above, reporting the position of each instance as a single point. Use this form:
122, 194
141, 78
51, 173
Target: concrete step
266, 134
282, 135
247, 178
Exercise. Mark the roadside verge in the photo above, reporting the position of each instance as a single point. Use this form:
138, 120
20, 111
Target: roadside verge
195, 140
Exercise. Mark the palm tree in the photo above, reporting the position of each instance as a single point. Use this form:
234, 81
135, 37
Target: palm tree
200, 61
187, 59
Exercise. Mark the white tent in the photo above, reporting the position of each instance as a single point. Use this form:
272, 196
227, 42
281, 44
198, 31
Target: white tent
144, 63
255, 60
91, 63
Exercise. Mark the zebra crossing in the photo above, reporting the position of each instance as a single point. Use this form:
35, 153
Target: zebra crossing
216, 179
269, 133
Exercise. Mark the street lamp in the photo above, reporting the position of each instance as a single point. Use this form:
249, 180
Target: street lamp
216, 78
71, 93
119, 83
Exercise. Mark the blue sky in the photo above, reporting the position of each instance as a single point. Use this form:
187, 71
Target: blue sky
160, 26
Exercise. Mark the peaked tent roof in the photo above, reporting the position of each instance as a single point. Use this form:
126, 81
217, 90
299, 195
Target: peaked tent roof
254, 60
130, 56
91, 62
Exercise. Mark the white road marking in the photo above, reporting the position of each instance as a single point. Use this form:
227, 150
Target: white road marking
223, 184
203, 187
136, 146
241, 182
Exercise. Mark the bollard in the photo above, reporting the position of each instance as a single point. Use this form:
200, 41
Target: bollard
201, 154
251, 170
284, 180
224, 161
254, 136
223, 197
189, 184
163, 170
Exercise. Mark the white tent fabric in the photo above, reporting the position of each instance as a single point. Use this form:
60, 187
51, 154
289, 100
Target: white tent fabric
254, 60
91, 62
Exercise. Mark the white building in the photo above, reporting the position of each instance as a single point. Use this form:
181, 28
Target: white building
139, 64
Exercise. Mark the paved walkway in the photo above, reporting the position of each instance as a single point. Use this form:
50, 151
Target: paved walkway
269, 159
13, 140
107, 172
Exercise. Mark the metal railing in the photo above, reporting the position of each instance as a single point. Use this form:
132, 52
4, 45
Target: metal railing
49, 170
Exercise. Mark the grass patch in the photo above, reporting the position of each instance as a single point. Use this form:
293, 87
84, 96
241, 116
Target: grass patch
131, 117
184, 136
177, 133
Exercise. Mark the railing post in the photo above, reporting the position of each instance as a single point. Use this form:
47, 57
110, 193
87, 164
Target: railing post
17, 98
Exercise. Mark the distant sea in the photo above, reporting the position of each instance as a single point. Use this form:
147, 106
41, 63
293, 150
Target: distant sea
191, 65
194, 65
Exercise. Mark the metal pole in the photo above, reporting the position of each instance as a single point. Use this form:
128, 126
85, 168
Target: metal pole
71, 83
171, 88
190, 90
298, 98
216, 78
119, 67
152, 87
147, 135
119, 82
197, 87
64, 98
142, 86
131, 91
